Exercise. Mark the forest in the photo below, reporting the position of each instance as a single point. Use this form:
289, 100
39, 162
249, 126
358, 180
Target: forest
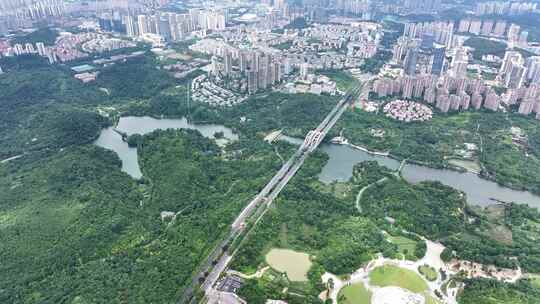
440, 213
428, 209
46, 35
94, 234
322, 221
104, 235
484, 291
434, 142
484, 46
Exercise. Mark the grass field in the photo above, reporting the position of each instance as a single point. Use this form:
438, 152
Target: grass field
431, 300
428, 272
405, 245
354, 294
389, 275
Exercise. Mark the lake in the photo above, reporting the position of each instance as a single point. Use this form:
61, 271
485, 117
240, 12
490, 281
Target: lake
111, 140
478, 190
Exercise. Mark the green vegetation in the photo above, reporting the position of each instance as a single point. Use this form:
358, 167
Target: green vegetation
484, 291
351, 244
23, 62
344, 80
61, 217
44, 108
183, 48
389, 275
75, 229
428, 272
435, 142
309, 217
137, 78
484, 46
439, 212
253, 292
429, 208
536, 281
296, 114
374, 64
104, 233
408, 248
354, 294
46, 35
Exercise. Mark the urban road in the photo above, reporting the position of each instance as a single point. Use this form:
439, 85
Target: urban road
217, 261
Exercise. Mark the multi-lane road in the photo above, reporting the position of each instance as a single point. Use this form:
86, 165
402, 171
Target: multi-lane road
219, 258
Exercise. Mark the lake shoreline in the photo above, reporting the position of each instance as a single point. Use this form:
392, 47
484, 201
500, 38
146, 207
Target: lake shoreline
450, 166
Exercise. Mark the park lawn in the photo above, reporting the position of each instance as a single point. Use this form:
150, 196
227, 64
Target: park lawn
389, 275
428, 272
431, 300
354, 294
405, 245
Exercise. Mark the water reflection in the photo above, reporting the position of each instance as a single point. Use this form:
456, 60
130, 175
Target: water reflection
111, 140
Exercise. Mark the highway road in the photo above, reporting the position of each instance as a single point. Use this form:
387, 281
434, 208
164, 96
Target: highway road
217, 261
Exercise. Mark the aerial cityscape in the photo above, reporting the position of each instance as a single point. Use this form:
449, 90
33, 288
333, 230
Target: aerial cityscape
270, 151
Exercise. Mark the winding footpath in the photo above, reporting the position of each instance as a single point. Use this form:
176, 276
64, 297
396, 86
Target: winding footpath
361, 192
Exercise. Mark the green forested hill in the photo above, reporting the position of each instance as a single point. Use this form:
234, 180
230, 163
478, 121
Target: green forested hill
75, 228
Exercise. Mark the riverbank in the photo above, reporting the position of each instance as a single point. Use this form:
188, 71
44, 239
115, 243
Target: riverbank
455, 165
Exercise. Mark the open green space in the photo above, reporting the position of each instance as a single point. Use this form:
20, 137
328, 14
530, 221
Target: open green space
428, 272
335, 240
389, 275
73, 221
73, 227
311, 218
354, 294
405, 245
